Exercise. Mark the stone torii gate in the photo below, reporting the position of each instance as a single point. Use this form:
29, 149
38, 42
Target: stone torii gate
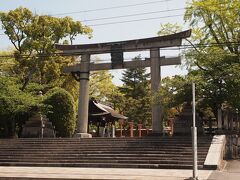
81, 71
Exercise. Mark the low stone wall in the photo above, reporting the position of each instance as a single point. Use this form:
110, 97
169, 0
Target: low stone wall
216, 152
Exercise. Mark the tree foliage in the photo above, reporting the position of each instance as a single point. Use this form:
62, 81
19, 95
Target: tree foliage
168, 28
15, 106
62, 112
217, 20
136, 94
34, 37
7, 64
213, 61
101, 86
216, 64
34, 60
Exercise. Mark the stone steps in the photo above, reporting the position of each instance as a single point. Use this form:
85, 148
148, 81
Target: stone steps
101, 144
97, 158
96, 148
101, 165
101, 152
103, 140
128, 155
180, 146
154, 152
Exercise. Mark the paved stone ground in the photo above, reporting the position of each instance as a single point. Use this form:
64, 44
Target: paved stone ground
230, 172
97, 173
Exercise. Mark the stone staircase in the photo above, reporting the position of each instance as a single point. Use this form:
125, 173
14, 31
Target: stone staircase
149, 152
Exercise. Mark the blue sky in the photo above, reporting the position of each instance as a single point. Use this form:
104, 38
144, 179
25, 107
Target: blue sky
111, 32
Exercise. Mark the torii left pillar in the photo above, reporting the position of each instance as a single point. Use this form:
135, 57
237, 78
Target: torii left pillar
83, 102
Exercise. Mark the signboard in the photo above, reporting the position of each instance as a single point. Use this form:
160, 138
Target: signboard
116, 55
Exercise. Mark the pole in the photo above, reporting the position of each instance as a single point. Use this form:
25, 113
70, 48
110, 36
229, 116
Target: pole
121, 127
194, 136
140, 130
131, 128
237, 123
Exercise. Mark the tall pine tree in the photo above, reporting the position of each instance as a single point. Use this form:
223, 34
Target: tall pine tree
136, 91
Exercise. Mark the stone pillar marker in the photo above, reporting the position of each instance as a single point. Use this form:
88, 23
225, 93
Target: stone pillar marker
83, 102
155, 86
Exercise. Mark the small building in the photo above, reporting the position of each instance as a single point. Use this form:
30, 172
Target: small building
104, 118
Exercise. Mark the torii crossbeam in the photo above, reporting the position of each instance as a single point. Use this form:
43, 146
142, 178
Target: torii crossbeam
81, 71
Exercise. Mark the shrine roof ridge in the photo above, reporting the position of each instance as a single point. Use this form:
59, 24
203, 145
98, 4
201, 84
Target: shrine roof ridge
179, 35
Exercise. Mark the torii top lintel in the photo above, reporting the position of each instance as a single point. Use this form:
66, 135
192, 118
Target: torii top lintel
127, 46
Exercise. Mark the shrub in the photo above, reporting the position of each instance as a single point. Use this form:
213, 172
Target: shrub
62, 112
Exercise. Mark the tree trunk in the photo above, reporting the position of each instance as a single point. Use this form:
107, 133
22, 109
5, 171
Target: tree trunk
27, 79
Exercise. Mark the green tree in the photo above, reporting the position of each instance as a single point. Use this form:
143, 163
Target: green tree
117, 100
7, 63
15, 106
62, 112
136, 91
217, 20
101, 86
33, 37
214, 62
168, 28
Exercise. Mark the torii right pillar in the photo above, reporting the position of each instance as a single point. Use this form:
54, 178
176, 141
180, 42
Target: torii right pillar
157, 124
